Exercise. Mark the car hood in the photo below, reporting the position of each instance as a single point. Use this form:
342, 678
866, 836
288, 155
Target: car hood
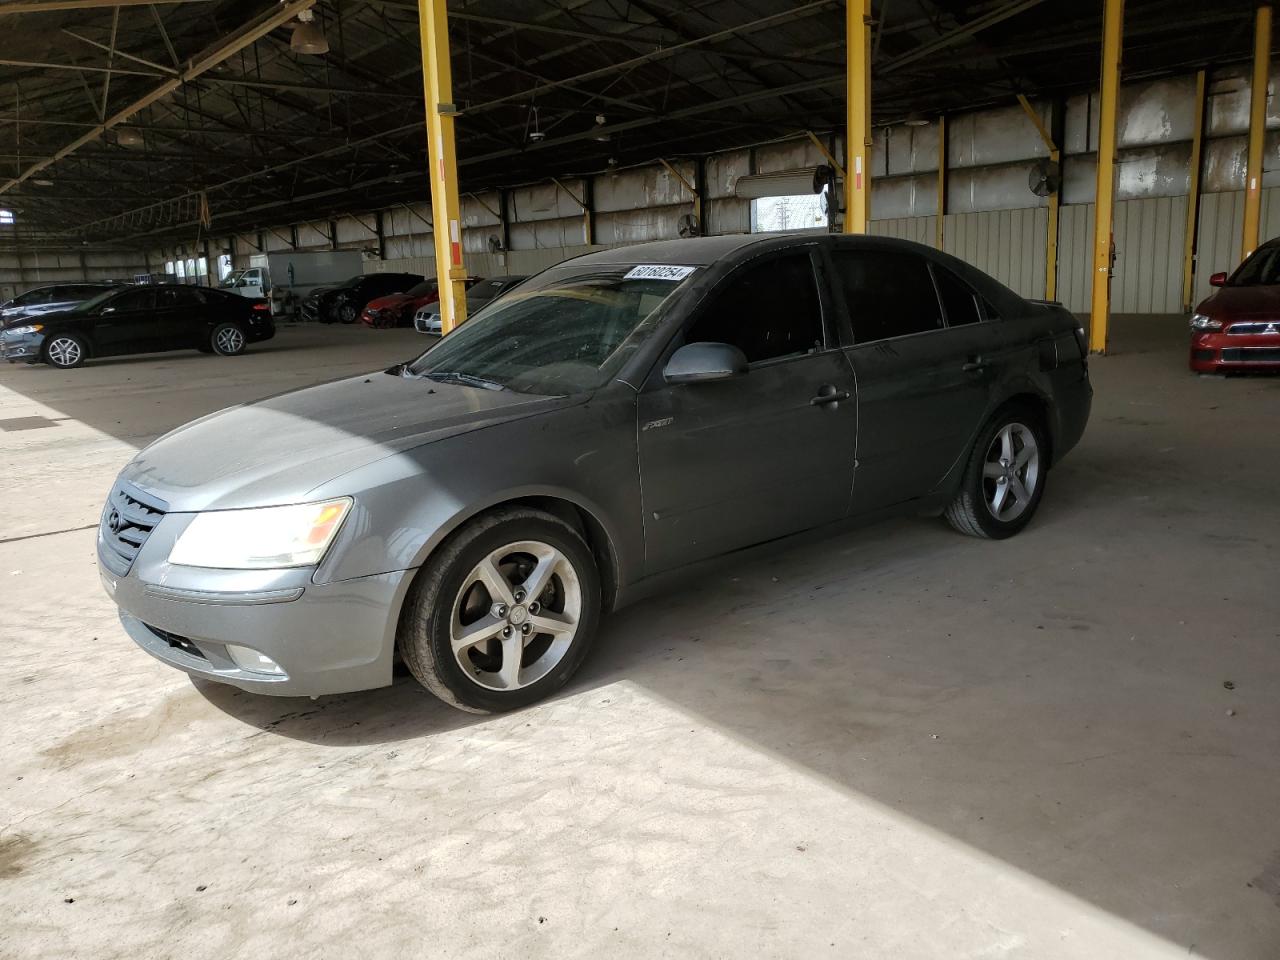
278, 450
388, 302
1242, 303
318, 292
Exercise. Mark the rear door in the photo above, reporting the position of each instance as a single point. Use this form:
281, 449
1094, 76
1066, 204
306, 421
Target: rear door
181, 318
127, 323
921, 387
736, 462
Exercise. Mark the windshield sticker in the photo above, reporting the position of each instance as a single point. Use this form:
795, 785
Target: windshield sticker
658, 271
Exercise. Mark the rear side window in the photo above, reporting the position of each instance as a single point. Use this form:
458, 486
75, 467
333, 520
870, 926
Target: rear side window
133, 300
179, 297
767, 309
887, 293
958, 300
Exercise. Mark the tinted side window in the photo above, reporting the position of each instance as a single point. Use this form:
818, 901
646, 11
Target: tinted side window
766, 309
179, 297
959, 302
133, 300
888, 294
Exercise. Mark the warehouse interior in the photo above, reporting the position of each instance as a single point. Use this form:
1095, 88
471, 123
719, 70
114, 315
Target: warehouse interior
892, 742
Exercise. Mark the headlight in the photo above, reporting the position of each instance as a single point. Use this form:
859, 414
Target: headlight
1200, 322
261, 539
23, 331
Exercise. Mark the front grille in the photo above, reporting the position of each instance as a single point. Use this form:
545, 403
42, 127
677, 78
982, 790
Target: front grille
1205, 354
127, 521
1253, 327
177, 642
1251, 354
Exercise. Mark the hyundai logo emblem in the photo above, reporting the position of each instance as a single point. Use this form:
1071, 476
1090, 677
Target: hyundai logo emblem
113, 521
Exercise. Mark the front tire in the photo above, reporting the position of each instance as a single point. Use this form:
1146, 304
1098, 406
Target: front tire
65, 351
1004, 479
504, 613
227, 340
348, 313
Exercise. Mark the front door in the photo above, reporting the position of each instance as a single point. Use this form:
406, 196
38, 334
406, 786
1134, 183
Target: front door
127, 323
922, 384
731, 463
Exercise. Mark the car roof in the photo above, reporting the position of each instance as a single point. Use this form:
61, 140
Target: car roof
702, 251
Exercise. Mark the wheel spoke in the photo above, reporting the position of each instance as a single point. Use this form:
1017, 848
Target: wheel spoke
998, 498
538, 579
483, 629
512, 654
1006, 444
1019, 490
498, 586
556, 624
1024, 456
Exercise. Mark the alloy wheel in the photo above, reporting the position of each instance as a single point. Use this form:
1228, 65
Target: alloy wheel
230, 340
516, 615
64, 352
1011, 472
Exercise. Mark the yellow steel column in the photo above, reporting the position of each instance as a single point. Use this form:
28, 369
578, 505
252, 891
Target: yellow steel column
1051, 233
1100, 311
1193, 198
446, 231
857, 146
939, 230
1257, 128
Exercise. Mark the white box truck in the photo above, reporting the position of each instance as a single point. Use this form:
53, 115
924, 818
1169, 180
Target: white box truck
285, 277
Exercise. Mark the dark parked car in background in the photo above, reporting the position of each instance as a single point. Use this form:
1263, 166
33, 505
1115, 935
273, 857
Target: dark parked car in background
344, 302
50, 299
1238, 327
427, 318
398, 309
140, 320
625, 415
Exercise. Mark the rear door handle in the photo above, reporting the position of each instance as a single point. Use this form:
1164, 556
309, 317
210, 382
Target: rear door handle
828, 394
974, 365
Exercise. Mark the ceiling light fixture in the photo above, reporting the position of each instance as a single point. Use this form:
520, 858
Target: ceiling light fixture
127, 137
308, 37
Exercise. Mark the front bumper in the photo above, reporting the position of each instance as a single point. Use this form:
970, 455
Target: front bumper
1213, 352
427, 323
325, 638
21, 349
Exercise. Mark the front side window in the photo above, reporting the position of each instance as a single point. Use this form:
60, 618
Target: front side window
768, 308
887, 293
565, 332
1261, 269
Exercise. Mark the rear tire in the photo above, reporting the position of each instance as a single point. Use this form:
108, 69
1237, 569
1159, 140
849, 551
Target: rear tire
348, 313
227, 340
461, 622
1004, 479
65, 351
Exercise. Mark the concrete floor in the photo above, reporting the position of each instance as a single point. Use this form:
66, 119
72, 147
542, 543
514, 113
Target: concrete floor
899, 742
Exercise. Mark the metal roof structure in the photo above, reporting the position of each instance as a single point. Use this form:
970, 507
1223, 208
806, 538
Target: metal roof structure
130, 119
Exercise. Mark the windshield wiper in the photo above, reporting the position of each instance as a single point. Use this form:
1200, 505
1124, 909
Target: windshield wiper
466, 379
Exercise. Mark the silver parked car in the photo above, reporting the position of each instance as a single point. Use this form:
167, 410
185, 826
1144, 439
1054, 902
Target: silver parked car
618, 417
427, 319
51, 299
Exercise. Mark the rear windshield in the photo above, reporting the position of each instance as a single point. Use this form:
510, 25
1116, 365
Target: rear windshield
563, 332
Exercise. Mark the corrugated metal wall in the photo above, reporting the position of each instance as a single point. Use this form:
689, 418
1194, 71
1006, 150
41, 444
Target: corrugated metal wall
1008, 244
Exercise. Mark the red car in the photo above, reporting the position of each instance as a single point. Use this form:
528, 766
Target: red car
397, 309
1238, 328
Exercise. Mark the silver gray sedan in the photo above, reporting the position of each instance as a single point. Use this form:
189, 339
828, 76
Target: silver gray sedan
616, 419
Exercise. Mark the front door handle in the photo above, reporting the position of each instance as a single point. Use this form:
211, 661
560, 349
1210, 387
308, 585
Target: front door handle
974, 365
828, 394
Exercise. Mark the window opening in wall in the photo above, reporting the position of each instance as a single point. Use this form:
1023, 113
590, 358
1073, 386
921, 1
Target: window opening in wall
6, 217
805, 211
224, 266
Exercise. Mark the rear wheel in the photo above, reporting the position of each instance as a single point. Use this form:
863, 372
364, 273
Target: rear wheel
64, 350
348, 313
227, 340
1004, 479
505, 612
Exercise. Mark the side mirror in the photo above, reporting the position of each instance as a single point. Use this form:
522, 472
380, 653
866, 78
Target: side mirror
703, 362
1218, 280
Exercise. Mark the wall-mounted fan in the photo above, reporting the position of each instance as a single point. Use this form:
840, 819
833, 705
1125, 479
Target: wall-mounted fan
1045, 177
689, 226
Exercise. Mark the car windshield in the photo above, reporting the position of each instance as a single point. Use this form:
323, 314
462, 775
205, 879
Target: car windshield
1261, 269
94, 302
423, 289
564, 332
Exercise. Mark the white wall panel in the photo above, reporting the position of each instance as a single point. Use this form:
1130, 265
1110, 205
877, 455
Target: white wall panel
918, 229
1075, 256
1148, 268
1008, 244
